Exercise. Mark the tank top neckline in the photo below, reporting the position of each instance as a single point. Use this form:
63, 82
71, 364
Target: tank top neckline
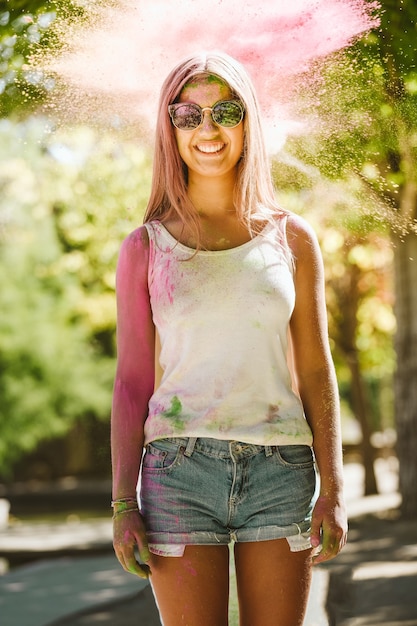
181, 246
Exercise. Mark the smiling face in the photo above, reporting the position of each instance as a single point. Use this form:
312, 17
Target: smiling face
209, 150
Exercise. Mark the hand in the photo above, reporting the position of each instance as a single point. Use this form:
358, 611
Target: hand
328, 527
128, 532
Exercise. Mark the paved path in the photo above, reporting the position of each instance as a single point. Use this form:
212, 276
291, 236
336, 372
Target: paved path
38, 594
65, 590
68, 590
89, 587
374, 581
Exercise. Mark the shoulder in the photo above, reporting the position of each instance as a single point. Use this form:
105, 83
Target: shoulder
137, 240
302, 240
136, 244
134, 255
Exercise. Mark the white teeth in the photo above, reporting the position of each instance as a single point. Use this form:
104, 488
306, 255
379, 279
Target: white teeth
210, 148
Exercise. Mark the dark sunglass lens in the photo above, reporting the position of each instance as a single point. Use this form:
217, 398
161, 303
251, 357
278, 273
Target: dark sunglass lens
187, 117
227, 114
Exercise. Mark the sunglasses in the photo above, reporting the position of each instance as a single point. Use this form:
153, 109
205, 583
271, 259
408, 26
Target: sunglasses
189, 116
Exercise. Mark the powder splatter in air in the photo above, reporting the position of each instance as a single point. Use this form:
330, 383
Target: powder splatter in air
122, 58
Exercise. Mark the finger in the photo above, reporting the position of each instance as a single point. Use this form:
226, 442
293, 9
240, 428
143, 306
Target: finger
315, 536
315, 532
142, 543
139, 569
144, 554
330, 548
131, 565
325, 554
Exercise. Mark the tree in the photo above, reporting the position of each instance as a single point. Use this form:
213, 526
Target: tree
362, 330
367, 103
64, 209
359, 300
67, 201
25, 26
398, 58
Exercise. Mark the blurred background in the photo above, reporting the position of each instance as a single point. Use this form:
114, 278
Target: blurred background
70, 192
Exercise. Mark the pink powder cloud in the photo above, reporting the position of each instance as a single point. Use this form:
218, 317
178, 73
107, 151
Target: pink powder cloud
136, 43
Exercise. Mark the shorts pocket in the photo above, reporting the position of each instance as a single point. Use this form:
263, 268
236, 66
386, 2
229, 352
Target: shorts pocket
161, 456
297, 457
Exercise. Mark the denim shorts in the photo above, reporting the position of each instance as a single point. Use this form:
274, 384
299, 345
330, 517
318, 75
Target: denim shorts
210, 491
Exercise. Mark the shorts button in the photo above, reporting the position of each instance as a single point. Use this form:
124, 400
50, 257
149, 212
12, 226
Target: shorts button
238, 447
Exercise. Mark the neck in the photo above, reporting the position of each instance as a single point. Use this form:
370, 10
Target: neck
212, 197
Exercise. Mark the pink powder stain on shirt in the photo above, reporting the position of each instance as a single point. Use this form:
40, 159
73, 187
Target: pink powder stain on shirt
163, 285
168, 284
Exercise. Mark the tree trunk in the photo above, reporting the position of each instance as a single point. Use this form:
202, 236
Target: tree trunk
349, 297
361, 410
405, 380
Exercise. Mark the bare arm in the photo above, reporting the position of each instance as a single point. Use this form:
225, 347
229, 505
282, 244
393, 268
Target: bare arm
318, 388
134, 383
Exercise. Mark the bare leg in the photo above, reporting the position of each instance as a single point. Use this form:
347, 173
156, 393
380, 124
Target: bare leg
272, 583
192, 590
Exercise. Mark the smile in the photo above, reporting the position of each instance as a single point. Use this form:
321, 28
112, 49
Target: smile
210, 148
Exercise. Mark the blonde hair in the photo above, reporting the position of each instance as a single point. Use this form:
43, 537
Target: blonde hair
254, 193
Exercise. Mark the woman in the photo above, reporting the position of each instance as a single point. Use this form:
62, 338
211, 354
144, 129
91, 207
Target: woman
224, 372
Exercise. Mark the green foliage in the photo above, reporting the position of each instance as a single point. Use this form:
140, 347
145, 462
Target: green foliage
359, 292
365, 112
67, 200
397, 35
23, 27
29, 28
68, 197
360, 159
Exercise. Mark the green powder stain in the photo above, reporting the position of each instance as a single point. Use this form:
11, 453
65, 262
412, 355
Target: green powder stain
210, 79
174, 414
175, 408
213, 79
222, 426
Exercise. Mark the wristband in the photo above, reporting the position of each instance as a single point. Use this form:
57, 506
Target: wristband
122, 501
117, 513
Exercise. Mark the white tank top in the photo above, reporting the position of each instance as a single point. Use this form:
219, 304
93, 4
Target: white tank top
223, 318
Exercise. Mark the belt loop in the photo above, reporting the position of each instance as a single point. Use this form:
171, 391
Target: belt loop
268, 450
190, 446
